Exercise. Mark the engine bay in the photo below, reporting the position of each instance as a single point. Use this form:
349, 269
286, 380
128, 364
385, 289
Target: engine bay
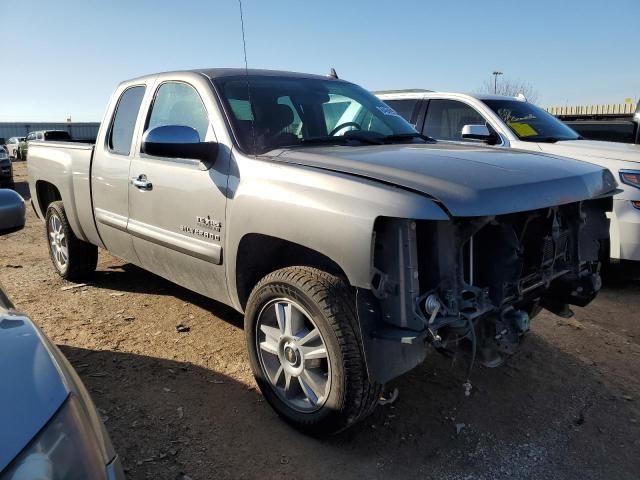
475, 283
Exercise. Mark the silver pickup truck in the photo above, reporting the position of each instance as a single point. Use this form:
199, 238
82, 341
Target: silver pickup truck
351, 243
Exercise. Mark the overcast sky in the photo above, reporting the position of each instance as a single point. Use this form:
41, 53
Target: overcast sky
66, 56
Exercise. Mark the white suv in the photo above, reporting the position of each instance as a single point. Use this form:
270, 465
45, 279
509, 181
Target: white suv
512, 122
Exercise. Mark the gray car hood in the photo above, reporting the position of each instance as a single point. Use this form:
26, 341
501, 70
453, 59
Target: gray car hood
31, 388
467, 181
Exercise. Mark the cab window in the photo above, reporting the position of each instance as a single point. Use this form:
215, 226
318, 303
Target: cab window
124, 120
179, 104
445, 119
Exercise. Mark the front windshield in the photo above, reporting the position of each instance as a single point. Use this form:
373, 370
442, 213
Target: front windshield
531, 123
269, 112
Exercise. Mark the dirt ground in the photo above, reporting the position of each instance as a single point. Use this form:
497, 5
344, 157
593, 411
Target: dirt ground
184, 405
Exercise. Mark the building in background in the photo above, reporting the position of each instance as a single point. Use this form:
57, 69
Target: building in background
77, 130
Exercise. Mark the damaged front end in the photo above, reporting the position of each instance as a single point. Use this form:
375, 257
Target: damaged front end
476, 282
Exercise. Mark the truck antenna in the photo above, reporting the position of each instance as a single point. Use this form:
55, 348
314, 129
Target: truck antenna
244, 41
246, 72
333, 74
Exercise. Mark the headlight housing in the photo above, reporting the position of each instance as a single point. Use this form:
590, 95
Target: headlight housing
66, 448
630, 177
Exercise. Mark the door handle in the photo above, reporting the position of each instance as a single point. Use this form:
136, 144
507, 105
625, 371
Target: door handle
141, 182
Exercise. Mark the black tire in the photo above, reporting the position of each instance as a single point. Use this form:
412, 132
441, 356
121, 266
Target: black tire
82, 257
331, 305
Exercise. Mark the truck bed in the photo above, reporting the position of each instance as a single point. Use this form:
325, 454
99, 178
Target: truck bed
64, 168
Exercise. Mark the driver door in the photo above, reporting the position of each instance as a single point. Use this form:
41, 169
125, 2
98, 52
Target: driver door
177, 206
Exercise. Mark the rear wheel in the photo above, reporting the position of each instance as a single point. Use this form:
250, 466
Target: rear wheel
305, 351
72, 258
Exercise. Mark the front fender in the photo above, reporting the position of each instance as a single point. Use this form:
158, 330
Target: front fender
331, 213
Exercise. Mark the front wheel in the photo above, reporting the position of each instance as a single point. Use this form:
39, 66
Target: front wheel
72, 258
304, 347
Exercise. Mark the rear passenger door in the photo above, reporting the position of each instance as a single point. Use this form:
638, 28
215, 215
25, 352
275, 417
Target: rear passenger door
177, 217
110, 174
445, 118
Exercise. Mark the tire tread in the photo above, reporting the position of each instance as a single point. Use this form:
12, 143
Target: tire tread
336, 300
83, 256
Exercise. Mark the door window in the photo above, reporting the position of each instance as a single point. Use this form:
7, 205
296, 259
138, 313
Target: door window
179, 104
405, 107
124, 120
445, 119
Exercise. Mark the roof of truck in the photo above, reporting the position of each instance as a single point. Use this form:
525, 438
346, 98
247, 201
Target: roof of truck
234, 72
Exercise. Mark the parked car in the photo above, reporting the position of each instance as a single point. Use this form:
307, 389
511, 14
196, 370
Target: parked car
508, 122
12, 211
13, 146
6, 169
42, 136
349, 241
50, 426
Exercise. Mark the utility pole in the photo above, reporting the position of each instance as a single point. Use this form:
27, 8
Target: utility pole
495, 81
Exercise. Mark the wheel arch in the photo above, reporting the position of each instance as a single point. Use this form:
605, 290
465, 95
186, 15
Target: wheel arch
46, 193
259, 254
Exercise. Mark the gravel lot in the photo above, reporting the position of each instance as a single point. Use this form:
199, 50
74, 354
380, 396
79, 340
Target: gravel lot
184, 405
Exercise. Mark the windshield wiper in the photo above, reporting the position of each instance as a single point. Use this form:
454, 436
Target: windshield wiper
363, 137
408, 136
334, 140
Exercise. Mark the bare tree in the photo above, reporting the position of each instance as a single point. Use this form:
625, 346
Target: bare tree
510, 88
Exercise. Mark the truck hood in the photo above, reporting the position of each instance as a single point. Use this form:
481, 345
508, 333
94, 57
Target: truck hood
31, 388
466, 181
593, 150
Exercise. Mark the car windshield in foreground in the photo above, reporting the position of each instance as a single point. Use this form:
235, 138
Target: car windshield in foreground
269, 112
531, 123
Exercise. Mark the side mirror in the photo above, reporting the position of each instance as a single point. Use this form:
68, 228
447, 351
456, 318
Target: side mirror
12, 211
178, 141
476, 132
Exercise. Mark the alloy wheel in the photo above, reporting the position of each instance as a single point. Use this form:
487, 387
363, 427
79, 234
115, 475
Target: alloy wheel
293, 355
58, 242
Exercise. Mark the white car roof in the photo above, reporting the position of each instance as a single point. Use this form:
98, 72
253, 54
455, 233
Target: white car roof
417, 93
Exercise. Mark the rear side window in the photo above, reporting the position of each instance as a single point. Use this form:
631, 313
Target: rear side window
445, 119
124, 120
405, 108
179, 104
